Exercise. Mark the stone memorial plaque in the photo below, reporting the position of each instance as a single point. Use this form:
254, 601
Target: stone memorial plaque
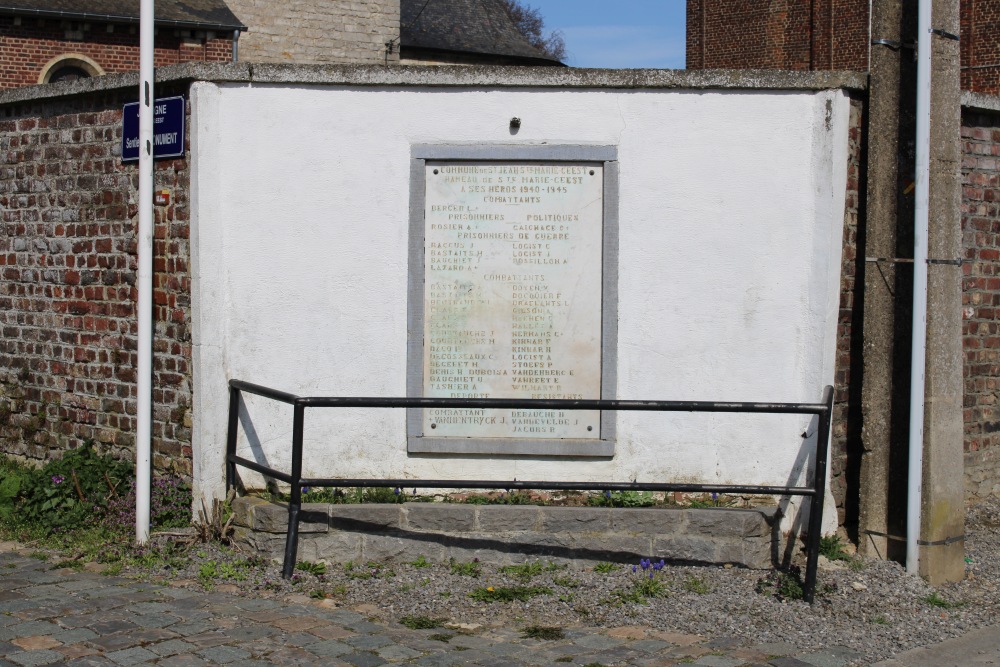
513, 295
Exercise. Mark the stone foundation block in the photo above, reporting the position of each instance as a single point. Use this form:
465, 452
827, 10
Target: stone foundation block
642, 520
273, 518
365, 517
440, 518
499, 519
575, 519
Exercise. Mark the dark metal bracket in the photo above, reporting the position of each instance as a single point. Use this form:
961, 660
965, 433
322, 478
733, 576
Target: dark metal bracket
945, 34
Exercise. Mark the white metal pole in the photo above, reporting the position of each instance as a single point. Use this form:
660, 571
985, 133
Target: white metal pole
918, 357
144, 392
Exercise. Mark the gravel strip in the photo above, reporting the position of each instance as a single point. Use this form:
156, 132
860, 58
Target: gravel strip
872, 607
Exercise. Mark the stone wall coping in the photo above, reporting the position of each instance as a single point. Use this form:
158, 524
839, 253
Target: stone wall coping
250, 510
505, 534
453, 76
980, 101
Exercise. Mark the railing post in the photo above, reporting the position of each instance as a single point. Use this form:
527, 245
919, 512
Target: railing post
231, 433
819, 488
295, 503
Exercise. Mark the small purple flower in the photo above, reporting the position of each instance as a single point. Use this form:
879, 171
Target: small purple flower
651, 573
414, 492
634, 569
715, 496
58, 479
607, 494
305, 489
396, 491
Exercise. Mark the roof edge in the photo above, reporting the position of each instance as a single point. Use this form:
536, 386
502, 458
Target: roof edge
527, 60
115, 18
454, 76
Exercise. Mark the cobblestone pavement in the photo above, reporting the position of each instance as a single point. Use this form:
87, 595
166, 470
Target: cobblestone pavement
82, 618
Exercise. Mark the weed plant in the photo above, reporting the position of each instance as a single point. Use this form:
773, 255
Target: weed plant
471, 569
622, 499
784, 585
526, 571
606, 568
832, 548
315, 569
421, 562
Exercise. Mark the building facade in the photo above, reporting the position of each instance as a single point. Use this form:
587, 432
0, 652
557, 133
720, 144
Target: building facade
43, 44
823, 35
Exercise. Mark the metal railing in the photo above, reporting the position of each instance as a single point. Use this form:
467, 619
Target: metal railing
815, 492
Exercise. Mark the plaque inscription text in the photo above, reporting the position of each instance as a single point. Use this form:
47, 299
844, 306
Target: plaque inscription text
512, 295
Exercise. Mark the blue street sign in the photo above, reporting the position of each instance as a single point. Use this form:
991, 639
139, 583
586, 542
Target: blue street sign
168, 129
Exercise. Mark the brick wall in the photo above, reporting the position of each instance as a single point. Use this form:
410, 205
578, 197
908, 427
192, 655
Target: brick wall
67, 295
981, 299
841, 454
28, 44
980, 45
318, 31
777, 34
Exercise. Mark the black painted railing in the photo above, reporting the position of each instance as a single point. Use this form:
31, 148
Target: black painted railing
294, 479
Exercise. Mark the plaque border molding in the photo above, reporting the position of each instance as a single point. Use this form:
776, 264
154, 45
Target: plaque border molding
602, 446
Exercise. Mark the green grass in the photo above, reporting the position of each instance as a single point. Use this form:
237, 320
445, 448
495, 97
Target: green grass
370, 570
697, 586
509, 593
544, 632
526, 571
606, 568
880, 620
566, 582
421, 622
72, 564
935, 600
442, 637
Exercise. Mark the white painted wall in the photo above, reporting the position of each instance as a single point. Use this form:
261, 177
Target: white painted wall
731, 222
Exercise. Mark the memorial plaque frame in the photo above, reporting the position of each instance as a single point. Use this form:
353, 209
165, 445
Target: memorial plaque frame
606, 157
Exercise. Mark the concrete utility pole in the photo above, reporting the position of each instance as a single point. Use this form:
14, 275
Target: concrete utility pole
885, 375
887, 331
942, 532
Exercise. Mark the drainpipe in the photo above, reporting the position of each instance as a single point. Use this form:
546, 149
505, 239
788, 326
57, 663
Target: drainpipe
918, 359
145, 284
236, 46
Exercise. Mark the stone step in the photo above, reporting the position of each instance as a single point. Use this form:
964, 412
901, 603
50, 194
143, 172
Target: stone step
505, 534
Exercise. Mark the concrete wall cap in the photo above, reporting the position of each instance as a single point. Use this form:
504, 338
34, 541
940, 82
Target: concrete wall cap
980, 101
454, 76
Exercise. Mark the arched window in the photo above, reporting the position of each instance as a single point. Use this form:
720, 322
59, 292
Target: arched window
69, 67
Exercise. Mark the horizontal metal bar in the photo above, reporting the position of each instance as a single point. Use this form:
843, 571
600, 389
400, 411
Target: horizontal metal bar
261, 390
562, 486
264, 470
560, 404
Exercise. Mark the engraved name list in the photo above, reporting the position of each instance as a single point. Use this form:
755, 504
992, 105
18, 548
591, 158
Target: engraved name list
512, 295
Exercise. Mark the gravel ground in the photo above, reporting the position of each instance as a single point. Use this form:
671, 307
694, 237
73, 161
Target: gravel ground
873, 607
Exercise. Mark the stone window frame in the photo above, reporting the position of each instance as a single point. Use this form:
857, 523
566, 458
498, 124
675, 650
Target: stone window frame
87, 64
602, 446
